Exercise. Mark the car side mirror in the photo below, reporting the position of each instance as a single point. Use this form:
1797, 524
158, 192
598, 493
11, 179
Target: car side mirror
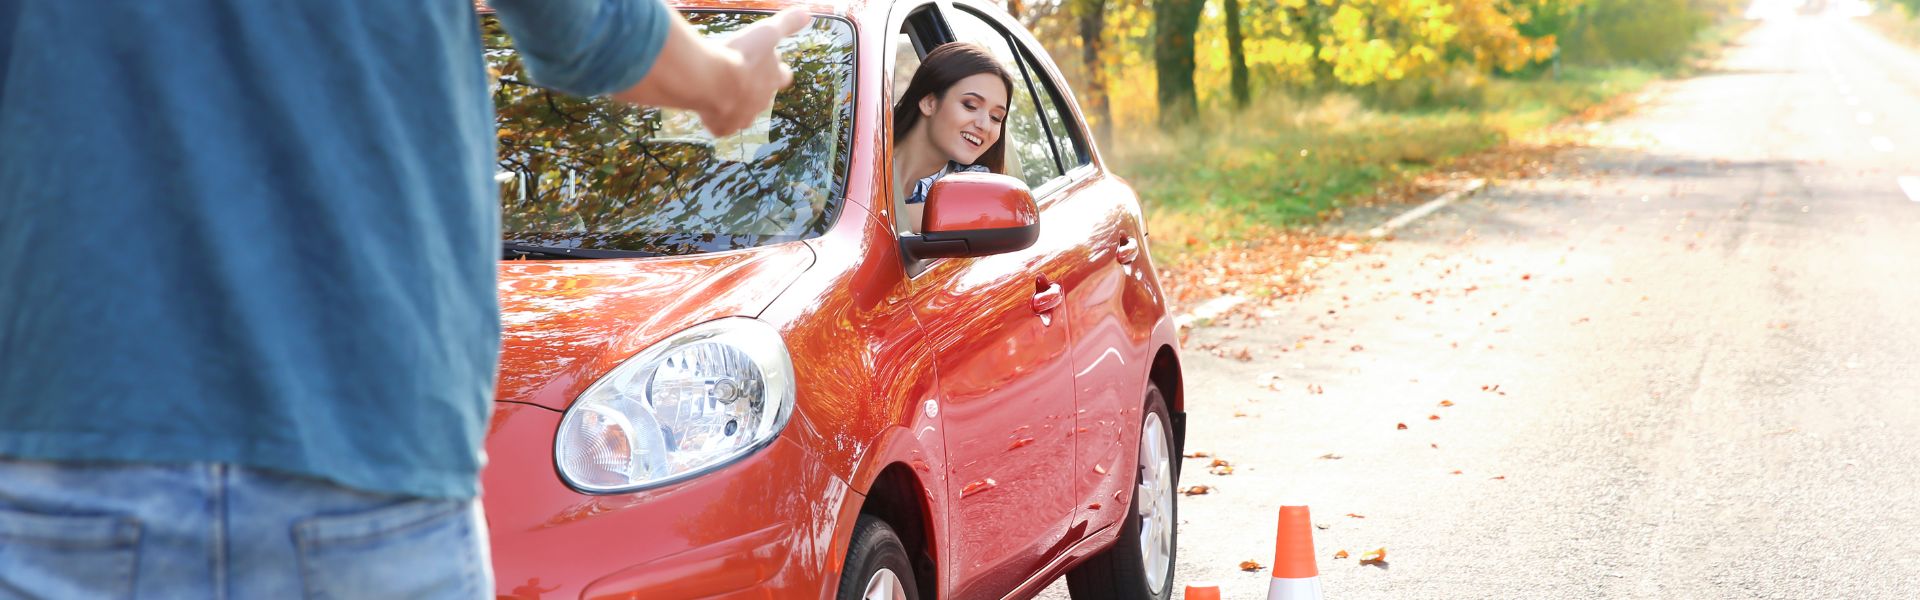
974, 214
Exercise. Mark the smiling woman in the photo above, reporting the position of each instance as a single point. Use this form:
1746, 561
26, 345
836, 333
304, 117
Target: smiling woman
600, 178
950, 119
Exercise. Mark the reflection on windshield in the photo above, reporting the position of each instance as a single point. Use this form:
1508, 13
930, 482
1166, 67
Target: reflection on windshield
599, 174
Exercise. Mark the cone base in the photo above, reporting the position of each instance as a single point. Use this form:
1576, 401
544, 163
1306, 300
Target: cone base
1287, 588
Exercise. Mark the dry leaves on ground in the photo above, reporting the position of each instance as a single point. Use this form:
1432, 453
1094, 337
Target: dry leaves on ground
1197, 490
1374, 557
1340, 554
1251, 566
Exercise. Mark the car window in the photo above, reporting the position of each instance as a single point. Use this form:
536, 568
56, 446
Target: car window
600, 174
1030, 150
1054, 106
906, 60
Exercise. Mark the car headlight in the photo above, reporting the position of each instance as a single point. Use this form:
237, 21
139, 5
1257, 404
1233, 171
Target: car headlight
687, 405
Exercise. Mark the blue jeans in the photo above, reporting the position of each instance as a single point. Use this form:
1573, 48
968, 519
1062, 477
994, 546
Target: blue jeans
100, 530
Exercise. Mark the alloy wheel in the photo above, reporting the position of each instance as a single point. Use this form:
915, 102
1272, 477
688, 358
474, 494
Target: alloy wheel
1153, 502
885, 586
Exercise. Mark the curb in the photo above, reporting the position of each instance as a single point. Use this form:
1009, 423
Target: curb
1207, 311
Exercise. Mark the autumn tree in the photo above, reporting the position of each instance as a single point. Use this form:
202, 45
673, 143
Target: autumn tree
1091, 18
1174, 24
1237, 55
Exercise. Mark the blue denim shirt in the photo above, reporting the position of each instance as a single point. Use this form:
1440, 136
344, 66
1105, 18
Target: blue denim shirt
266, 232
918, 195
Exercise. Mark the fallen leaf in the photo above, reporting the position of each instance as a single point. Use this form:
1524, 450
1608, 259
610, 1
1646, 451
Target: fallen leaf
1330, 456
1219, 462
1198, 490
1456, 471
1357, 515
1446, 403
1433, 417
1239, 413
1357, 348
1250, 566
1220, 470
1199, 454
1435, 446
1340, 554
1400, 426
1374, 557
1498, 477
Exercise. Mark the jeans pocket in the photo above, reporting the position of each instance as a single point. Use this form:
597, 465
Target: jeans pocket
410, 549
50, 555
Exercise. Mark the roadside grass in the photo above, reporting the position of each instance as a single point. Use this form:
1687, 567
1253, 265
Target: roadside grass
1290, 162
1897, 23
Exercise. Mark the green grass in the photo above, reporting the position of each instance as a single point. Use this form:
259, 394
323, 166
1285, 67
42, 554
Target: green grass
1287, 162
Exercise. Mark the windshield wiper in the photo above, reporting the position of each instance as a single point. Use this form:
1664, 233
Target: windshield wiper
516, 251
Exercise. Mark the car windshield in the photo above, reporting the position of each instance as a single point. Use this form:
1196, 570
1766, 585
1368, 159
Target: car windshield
597, 174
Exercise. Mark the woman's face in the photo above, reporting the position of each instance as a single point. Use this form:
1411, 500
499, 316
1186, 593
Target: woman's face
966, 120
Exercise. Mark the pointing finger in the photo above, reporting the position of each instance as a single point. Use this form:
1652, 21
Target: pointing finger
790, 20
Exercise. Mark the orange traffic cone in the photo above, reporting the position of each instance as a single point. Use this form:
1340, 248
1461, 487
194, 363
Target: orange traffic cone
1203, 591
1295, 576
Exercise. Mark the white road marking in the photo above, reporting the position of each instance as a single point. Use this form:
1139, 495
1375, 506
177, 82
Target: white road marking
1881, 143
1910, 185
1865, 118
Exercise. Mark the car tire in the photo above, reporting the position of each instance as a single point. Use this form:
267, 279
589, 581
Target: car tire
877, 565
1130, 570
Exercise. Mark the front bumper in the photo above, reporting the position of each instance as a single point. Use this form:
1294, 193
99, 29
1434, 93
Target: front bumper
763, 527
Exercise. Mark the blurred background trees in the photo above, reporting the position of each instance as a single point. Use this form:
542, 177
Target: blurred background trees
1163, 61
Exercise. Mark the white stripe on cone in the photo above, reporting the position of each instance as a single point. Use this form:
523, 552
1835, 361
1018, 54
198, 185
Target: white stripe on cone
1286, 588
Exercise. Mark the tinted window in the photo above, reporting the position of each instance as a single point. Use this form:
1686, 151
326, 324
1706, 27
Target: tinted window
1029, 147
599, 174
1055, 109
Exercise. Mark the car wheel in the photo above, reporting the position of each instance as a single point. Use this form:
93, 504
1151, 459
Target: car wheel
877, 565
1140, 565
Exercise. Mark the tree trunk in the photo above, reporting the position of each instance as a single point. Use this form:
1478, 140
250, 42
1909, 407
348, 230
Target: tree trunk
1092, 15
1174, 23
1237, 55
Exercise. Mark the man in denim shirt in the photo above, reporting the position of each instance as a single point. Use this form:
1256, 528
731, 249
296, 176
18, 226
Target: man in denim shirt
248, 250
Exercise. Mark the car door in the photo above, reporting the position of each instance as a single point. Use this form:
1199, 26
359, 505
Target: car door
1110, 305
1095, 216
1002, 350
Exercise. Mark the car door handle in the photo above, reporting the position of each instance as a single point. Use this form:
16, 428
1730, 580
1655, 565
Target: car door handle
1128, 251
1048, 299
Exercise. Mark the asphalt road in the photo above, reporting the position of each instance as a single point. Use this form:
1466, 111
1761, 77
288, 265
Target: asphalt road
1704, 339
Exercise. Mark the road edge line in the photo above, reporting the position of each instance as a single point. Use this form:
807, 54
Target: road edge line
1206, 312
1407, 218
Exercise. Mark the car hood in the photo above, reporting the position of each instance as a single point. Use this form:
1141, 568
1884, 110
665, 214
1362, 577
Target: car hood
566, 323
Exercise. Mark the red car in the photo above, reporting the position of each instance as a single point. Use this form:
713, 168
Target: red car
725, 375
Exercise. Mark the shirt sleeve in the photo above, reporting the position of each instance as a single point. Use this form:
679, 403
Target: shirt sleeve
586, 47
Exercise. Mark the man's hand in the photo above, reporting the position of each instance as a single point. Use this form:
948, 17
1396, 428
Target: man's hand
728, 84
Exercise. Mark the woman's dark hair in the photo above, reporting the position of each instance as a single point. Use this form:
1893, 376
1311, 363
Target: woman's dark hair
943, 67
